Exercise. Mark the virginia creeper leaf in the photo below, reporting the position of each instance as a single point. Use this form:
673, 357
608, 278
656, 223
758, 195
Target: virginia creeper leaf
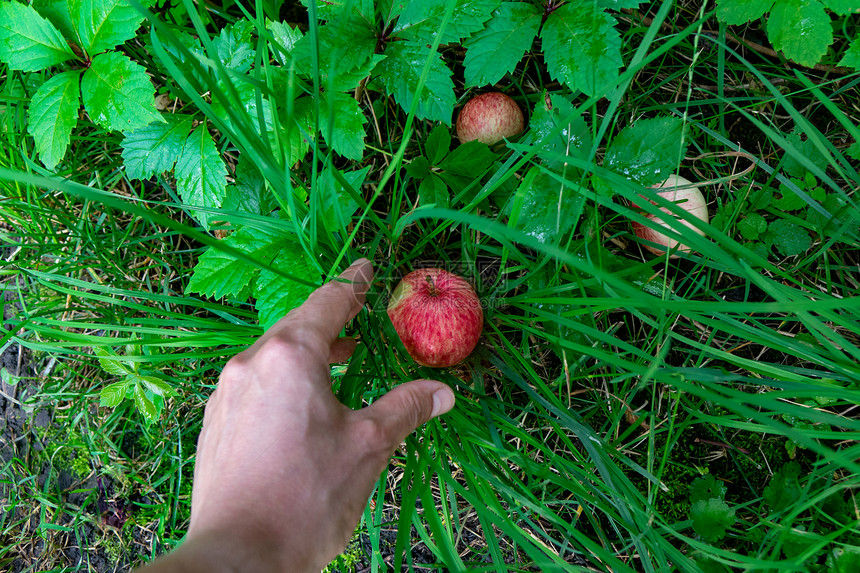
104, 24
154, 149
336, 203
276, 294
843, 7
201, 174
233, 46
111, 363
401, 71
736, 12
113, 394
800, 29
497, 49
57, 12
433, 191
647, 151
144, 405
421, 17
157, 386
118, 94
581, 47
572, 136
342, 124
851, 58
543, 207
29, 42
438, 144
53, 114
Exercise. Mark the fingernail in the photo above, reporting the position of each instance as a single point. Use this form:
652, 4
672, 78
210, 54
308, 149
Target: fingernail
443, 401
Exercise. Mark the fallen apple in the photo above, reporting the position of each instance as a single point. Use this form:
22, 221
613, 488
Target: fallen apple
437, 315
489, 118
682, 192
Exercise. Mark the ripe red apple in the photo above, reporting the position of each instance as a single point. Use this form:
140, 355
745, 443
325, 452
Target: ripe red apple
689, 198
437, 315
489, 118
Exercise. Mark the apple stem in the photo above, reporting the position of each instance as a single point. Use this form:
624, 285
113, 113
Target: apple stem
432, 285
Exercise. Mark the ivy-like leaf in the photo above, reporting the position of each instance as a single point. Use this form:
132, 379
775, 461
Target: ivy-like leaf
104, 24
800, 29
543, 207
647, 151
335, 9
155, 148
277, 295
401, 71
752, 226
422, 17
784, 487
342, 124
736, 12
117, 93
705, 488
789, 238
112, 395
53, 114
581, 47
851, 58
711, 518
497, 49
29, 42
201, 177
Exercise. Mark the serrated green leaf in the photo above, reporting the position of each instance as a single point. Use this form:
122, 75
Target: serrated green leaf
112, 395
581, 47
57, 12
571, 140
335, 9
286, 36
249, 194
53, 115
104, 24
234, 48
118, 94
851, 58
843, 7
736, 12
420, 20
800, 29
342, 124
497, 49
844, 560
438, 144
707, 487
401, 71
346, 54
789, 238
157, 386
808, 150
29, 42
543, 207
711, 518
789, 200
418, 168
336, 204
111, 363
433, 191
201, 176
784, 487
145, 406
647, 151
470, 159
752, 226
277, 295
154, 149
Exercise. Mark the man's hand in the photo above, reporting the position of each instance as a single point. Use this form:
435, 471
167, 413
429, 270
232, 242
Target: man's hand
283, 469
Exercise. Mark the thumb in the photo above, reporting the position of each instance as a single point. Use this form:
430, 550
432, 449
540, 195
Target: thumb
399, 412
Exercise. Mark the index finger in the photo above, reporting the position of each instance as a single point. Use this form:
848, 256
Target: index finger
329, 307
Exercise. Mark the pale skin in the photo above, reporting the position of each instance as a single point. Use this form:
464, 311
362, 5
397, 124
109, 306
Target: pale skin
284, 470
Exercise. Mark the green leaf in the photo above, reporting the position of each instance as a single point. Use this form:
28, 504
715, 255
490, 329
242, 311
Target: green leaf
277, 295
111, 363
433, 191
736, 12
438, 144
421, 19
53, 115
157, 386
118, 94
789, 200
154, 149
470, 159
418, 168
574, 139
201, 177
844, 560
112, 395
342, 124
249, 194
336, 204
784, 487
104, 24
800, 29
752, 226
705, 488
338, 9
711, 518
346, 54
581, 47
29, 42
808, 150
145, 406
647, 151
286, 36
789, 238
851, 59
497, 49
57, 12
234, 48
843, 7
542, 207
401, 71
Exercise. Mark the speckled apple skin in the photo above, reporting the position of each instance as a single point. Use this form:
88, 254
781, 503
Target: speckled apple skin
690, 199
489, 118
437, 330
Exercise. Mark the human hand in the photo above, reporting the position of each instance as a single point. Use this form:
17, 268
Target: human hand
283, 469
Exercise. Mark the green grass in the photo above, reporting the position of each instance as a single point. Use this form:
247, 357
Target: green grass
606, 381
